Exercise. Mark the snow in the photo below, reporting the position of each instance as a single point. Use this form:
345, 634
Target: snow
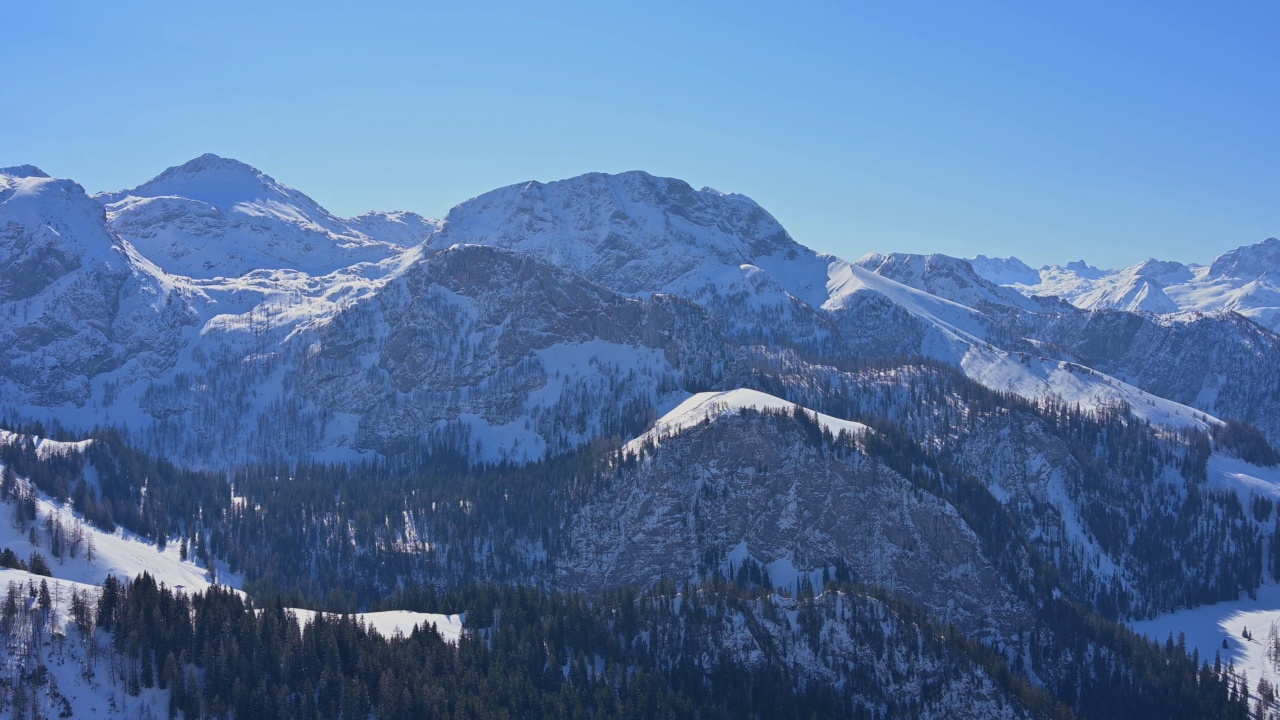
1205, 628
1131, 293
1037, 378
1248, 262
22, 171
783, 573
121, 553
271, 268
711, 405
785, 576
46, 448
632, 232
956, 334
951, 278
126, 556
390, 622
95, 694
399, 227
65, 662
217, 217
1232, 473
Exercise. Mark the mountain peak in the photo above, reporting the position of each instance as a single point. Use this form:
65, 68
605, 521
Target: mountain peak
23, 171
50, 228
914, 263
209, 163
1011, 261
1085, 270
1164, 272
631, 231
218, 181
1005, 271
222, 182
218, 217
1249, 261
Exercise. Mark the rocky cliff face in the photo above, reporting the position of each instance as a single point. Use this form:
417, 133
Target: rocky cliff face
526, 350
79, 302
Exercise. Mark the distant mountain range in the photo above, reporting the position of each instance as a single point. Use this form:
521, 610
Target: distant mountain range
1245, 280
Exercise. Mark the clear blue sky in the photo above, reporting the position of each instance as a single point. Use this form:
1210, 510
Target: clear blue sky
1050, 130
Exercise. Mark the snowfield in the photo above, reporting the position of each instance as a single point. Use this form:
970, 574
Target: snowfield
1205, 629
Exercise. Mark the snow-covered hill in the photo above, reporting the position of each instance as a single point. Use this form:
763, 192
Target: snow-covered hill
735, 475
708, 406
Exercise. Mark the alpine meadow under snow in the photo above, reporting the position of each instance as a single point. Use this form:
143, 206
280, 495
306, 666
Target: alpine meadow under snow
612, 446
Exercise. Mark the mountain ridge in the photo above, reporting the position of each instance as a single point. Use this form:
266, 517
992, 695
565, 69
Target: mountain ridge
740, 278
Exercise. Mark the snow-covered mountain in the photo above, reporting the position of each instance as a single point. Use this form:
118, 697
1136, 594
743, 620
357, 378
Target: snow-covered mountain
640, 235
1248, 262
215, 217
950, 278
632, 232
400, 227
1005, 271
1219, 363
504, 328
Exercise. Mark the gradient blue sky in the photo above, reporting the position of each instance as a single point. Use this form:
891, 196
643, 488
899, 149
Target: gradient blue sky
1050, 130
